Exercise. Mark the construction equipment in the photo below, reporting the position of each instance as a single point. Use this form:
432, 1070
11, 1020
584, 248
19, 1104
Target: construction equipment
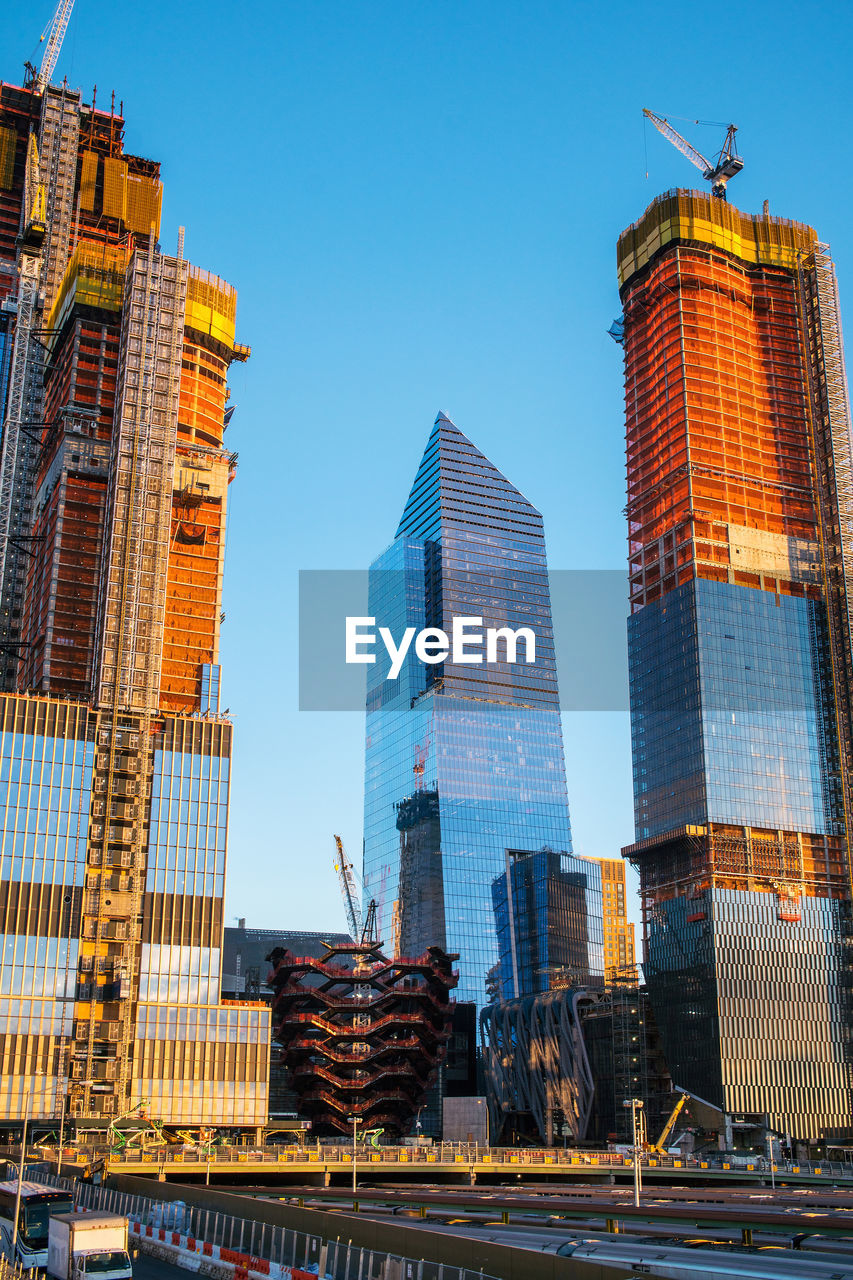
660, 1145
369, 931
349, 891
54, 34
718, 173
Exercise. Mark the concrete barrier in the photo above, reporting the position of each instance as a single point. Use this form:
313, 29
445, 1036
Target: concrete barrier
209, 1259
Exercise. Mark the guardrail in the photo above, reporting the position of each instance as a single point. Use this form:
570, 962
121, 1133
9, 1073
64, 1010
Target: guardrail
252, 1249
440, 1154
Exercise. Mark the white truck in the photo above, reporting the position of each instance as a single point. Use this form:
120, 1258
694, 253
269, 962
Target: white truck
88, 1245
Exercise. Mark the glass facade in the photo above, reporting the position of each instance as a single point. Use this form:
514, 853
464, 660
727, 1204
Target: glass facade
189, 823
727, 969
462, 761
549, 922
729, 698
46, 759
199, 1062
194, 1058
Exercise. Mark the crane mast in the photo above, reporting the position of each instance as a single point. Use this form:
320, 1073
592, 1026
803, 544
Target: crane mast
349, 892
718, 172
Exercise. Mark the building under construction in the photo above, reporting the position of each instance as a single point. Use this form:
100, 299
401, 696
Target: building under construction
626, 1058
362, 1036
740, 511
114, 475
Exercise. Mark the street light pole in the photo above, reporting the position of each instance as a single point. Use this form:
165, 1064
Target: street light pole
27, 1096
61, 1132
354, 1150
772, 1170
636, 1105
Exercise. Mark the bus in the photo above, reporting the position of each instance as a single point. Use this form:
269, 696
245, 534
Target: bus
37, 1204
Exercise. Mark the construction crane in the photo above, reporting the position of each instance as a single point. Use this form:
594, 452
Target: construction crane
660, 1145
421, 754
54, 34
349, 891
368, 933
727, 164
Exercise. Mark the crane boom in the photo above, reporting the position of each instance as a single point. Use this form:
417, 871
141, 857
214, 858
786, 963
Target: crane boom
349, 892
660, 1145
680, 144
727, 164
58, 28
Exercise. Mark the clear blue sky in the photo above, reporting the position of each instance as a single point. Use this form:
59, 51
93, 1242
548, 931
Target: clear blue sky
419, 202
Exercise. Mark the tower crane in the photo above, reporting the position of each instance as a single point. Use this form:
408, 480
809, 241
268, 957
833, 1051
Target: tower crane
727, 164
52, 38
362, 925
349, 891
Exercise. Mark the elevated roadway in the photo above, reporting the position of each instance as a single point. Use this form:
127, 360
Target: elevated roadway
443, 1164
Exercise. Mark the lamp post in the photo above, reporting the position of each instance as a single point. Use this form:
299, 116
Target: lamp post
772, 1169
27, 1098
61, 1131
636, 1106
208, 1148
354, 1150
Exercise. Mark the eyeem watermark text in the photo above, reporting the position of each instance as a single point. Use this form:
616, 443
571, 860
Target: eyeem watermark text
464, 646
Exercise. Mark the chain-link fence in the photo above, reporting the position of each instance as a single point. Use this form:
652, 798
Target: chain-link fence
335, 1259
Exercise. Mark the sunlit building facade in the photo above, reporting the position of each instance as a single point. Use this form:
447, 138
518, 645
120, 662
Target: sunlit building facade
114, 755
620, 961
463, 761
739, 507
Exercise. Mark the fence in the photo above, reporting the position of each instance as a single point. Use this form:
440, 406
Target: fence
279, 1246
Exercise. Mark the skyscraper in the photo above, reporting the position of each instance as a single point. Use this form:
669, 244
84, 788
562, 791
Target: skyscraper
740, 542
114, 756
619, 956
462, 761
548, 917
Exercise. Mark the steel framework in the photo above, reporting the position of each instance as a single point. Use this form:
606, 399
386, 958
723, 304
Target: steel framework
536, 1063
362, 1035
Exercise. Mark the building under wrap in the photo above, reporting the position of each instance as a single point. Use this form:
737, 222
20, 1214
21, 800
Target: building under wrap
740, 515
114, 755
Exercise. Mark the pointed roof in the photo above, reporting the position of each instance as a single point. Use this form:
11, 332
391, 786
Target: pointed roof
456, 485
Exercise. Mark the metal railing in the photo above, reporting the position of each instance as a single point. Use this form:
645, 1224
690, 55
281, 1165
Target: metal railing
447, 1153
335, 1259
10, 1271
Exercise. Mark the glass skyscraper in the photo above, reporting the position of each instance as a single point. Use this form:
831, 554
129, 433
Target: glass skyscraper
740, 509
462, 761
548, 915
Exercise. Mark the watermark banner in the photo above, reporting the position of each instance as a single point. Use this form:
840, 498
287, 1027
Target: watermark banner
365, 637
